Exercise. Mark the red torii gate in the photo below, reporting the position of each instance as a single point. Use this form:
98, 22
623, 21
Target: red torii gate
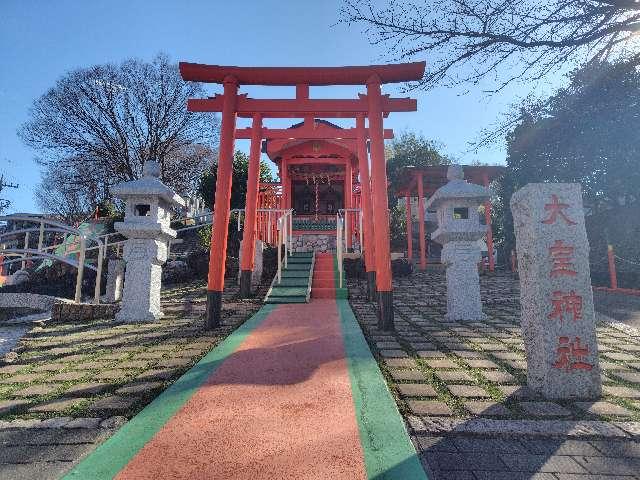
373, 105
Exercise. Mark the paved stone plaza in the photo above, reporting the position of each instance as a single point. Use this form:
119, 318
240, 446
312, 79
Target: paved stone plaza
75, 384
462, 390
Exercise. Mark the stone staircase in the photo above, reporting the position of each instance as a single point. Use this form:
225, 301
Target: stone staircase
294, 287
306, 276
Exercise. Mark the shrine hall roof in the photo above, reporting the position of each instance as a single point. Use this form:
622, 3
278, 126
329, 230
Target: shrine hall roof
435, 177
274, 147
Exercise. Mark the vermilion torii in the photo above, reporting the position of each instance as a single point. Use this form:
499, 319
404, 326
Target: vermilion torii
372, 106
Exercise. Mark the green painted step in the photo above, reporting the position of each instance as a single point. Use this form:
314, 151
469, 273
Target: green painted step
294, 282
298, 266
295, 274
286, 300
302, 260
279, 291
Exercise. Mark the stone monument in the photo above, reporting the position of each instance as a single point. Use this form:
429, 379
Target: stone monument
459, 230
147, 227
558, 319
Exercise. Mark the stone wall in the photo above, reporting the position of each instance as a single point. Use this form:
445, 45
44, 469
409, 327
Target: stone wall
27, 300
314, 242
63, 311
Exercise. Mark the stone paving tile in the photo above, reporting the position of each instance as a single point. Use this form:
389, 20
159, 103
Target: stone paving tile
35, 390
465, 461
481, 363
616, 391
454, 376
487, 408
407, 375
114, 374
499, 377
602, 408
49, 367
542, 463
67, 377
620, 356
86, 389
12, 369
633, 377
468, 391
140, 388
430, 354
401, 362
9, 406
393, 353
473, 358
416, 390
156, 374
518, 392
445, 363
559, 447
427, 407
484, 475
58, 405
133, 364
544, 409
610, 465
615, 448
23, 378
113, 403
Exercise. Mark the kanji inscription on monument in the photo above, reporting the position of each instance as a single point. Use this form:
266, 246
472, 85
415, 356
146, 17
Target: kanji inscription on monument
558, 318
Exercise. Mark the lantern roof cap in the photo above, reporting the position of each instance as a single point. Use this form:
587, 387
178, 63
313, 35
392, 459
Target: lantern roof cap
458, 189
148, 185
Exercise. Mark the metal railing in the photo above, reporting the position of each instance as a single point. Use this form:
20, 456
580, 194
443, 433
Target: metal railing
47, 226
268, 224
284, 223
346, 219
282, 218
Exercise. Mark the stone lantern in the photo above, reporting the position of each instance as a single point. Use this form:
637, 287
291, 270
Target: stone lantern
459, 230
147, 226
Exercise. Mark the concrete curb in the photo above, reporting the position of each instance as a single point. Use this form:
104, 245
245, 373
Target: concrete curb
533, 428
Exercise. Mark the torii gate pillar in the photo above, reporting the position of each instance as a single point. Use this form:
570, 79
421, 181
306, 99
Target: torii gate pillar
222, 204
380, 206
251, 208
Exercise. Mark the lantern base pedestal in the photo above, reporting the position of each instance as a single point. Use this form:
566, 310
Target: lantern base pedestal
385, 311
214, 309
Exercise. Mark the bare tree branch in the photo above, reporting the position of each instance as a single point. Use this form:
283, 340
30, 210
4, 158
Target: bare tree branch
467, 41
102, 123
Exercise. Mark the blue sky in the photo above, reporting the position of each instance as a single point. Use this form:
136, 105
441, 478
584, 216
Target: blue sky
41, 40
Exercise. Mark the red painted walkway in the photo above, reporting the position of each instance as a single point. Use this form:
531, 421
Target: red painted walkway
323, 282
280, 406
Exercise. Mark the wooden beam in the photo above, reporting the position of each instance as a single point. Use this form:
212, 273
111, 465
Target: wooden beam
293, 108
308, 134
348, 75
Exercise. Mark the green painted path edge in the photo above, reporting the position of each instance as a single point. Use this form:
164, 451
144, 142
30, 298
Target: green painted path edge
108, 459
388, 451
